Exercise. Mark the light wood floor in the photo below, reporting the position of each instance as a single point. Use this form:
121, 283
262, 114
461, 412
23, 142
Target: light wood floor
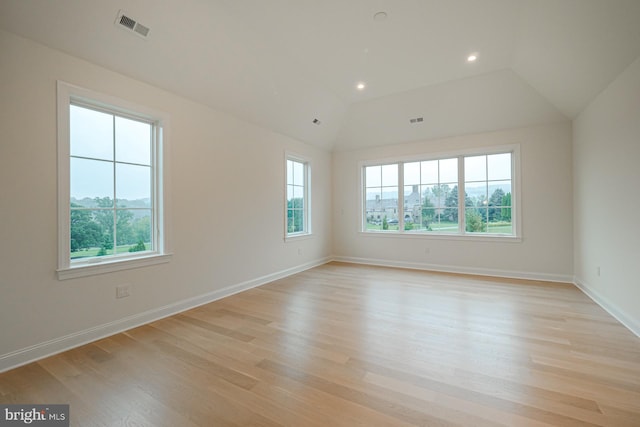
347, 345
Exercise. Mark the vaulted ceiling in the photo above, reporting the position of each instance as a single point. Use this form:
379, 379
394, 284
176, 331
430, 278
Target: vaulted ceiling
283, 63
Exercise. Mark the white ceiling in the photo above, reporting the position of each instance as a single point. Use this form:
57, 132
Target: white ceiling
282, 63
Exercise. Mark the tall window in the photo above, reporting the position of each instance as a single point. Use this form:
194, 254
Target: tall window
382, 197
297, 211
110, 181
430, 195
111, 191
463, 194
488, 193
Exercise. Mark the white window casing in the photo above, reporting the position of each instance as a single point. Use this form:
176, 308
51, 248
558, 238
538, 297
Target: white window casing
68, 268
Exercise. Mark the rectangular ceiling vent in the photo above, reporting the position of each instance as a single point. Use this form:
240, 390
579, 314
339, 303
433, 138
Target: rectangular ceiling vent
126, 22
417, 120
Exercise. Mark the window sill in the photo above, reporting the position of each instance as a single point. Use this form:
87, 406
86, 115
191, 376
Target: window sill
442, 236
109, 266
296, 237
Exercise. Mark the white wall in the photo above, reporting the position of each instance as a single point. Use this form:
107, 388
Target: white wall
606, 156
545, 251
227, 192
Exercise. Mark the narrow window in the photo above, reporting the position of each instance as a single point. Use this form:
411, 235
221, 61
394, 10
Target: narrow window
297, 209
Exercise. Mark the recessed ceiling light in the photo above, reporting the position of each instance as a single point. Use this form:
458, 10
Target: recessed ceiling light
361, 86
472, 57
380, 16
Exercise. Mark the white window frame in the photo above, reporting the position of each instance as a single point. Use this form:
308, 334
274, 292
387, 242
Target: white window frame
461, 234
306, 233
67, 268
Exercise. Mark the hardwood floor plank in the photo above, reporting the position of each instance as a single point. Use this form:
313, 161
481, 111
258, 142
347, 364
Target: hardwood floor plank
350, 345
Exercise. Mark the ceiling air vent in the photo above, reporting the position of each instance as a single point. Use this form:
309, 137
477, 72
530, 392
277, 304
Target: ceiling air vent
417, 120
126, 22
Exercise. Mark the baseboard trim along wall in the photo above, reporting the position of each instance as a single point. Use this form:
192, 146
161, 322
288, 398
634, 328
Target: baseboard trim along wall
630, 323
57, 345
565, 278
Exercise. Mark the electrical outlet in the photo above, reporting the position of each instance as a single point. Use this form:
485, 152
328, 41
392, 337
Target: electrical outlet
598, 271
299, 251
427, 251
123, 291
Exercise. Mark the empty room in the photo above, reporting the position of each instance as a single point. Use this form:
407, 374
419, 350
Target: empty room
320, 213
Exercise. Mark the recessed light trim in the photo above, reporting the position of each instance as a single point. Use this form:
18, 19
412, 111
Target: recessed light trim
361, 85
380, 16
472, 58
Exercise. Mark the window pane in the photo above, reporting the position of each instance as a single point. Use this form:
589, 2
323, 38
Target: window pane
295, 220
412, 196
91, 133
504, 224
142, 226
429, 172
475, 220
498, 198
476, 193
429, 196
126, 235
289, 171
429, 218
390, 175
298, 193
448, 171
90, 179
133, 183
299, 220
133, 141
373, 209
500, 188
373, 176
298, 173
499, 166
289, 221
440, 193
412, 173
87, 233
475, 168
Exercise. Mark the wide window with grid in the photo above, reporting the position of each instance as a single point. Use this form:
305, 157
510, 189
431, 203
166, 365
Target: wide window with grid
470, 194
297, 188
110, 183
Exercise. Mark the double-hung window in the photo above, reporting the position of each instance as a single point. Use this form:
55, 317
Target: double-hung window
469, 194
297, 204
111, 210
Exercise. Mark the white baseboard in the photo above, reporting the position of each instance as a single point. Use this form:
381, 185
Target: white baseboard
57, 345
565, 278
629, 322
